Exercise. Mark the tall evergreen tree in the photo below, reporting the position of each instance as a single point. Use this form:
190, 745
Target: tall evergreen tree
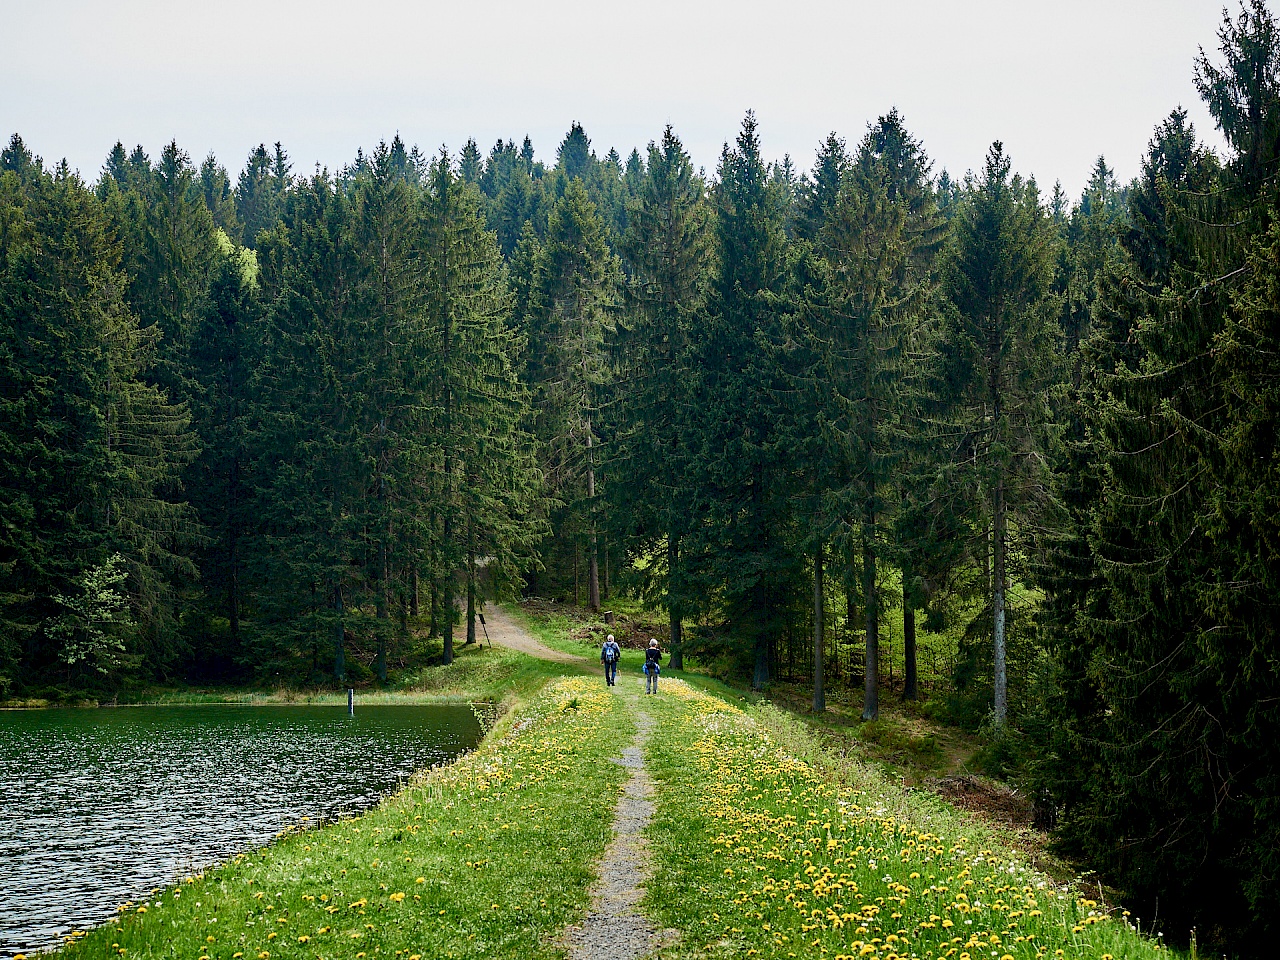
999, 358
571, 310
666, 252
744, 550
260, 191
91, 449
878, 239
312, 457
1162, 737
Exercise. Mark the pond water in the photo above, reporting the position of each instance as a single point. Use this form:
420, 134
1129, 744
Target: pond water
98, 806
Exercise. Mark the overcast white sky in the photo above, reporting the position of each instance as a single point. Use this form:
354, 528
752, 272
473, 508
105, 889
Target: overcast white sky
1059, 82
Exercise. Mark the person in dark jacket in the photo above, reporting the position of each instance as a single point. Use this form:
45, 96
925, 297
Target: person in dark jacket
652, 667
610, 654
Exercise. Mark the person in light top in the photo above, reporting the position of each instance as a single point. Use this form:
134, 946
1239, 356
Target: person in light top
610, 654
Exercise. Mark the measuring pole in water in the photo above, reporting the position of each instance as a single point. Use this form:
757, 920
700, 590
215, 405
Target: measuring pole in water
351, 701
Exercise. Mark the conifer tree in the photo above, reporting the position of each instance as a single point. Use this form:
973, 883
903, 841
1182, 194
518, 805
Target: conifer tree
666, 252
219, 197
260, 191
999, 365
1161, 739
817, 194
878, 240
570, 313
92, 449
312, 456
744, 547
222, 357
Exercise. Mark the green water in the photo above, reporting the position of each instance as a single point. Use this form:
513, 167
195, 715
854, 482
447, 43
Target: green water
99, 806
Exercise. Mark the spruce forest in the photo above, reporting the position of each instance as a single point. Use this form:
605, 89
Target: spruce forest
293, 429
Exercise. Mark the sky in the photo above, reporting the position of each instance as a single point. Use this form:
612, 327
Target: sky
1059, 82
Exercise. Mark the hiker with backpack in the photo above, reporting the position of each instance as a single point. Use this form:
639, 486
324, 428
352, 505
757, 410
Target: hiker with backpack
652, 667
610, 654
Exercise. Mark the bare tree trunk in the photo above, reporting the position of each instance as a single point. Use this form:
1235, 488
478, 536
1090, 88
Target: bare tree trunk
871, 688
413, 596
819, 617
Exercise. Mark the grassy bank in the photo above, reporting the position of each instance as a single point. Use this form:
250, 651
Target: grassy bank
488, 857
768, 847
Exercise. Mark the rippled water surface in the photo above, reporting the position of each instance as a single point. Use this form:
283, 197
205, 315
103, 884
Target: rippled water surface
100, 806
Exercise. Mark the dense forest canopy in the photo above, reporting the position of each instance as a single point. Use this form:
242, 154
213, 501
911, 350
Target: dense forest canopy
289, 428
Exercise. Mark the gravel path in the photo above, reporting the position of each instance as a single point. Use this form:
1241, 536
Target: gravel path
613, 928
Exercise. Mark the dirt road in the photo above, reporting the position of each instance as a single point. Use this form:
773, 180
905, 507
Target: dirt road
505, 631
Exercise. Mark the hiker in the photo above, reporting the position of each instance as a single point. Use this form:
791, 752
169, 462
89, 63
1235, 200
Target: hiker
610, 654
652, 666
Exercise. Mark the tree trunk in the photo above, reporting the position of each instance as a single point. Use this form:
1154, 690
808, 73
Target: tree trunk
233, 549
997, 604
446, 599
909, 691
673, 602
448, 443
233, 593
471, 598
593, 576
413, 595
819, 617
339, 637
871, 689
761, 675
435, 609
384, 613
446, 614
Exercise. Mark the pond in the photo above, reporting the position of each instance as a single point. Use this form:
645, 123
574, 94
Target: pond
99, 806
